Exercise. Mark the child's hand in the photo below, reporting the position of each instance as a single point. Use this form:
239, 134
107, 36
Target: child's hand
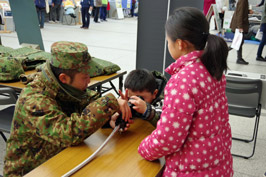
139, 104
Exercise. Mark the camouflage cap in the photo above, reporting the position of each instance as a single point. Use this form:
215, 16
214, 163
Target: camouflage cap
10, 68
70, 55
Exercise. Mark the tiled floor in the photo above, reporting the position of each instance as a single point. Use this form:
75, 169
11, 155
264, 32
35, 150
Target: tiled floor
115, 41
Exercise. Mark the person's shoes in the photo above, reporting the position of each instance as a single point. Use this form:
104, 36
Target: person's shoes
85, 28
260, 58
51, 21
82, 27
97, 22
101, 20
105, 20
241, 61
41, 27
230, 48
72, 15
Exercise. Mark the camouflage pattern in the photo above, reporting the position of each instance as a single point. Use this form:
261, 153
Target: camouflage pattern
108, 67
25, 79
48, 119
4, 50
70, 55
95, 68
10, 69
22, 52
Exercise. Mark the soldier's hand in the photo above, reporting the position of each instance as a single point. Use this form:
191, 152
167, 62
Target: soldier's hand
113, 120
123, 96
124, 109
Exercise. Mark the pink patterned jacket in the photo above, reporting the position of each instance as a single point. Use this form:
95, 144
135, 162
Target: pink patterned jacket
193, 132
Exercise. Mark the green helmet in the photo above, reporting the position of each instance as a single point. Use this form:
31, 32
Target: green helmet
10, 69
70, 55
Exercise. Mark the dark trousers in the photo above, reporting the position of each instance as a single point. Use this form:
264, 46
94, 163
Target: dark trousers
41, 16
132, 9
103, 13
239, 52
96, 14
263, 40
85, 17
50, 13
56, 12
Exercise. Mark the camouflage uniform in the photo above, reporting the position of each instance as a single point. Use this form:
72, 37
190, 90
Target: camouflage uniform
10, 69
48, 118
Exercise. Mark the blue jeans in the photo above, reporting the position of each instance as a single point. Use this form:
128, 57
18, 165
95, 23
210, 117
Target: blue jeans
103, 13
41, 16
263, 40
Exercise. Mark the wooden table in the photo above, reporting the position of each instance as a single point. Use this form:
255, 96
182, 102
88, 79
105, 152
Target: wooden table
119, 158
95, 82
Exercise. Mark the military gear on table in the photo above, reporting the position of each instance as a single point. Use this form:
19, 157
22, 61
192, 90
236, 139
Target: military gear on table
108, 67
48, 119
35, 59
10, 69
4, 50
22, 52
30, 57
70, 55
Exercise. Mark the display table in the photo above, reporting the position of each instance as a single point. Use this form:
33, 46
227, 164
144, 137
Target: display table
119, 158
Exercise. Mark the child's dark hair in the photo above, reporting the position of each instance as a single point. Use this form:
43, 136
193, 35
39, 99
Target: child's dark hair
190, 24
140, 80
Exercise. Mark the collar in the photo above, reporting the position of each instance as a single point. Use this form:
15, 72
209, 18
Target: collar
55, 88
183, 61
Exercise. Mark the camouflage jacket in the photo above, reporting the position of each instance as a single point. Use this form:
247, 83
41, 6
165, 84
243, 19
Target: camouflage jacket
154, 109
47, 119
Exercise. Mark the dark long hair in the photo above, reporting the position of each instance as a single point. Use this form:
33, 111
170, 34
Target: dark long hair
190, 24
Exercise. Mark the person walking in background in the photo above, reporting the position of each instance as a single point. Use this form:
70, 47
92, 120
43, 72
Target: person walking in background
193, 133
86, 6
56, 8
221, 7
133, 4
103, 10
50, 14
40, 7
263, 29
97, 6
240, 21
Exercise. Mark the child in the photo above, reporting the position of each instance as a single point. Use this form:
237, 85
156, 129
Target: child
193, 133
144, 89
149, 86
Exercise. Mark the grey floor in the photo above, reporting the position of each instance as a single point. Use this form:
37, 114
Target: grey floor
115, 41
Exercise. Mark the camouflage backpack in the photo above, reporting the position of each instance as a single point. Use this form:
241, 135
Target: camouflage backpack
10, 69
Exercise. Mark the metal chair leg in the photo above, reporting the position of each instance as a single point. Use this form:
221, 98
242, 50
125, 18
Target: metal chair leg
255, 140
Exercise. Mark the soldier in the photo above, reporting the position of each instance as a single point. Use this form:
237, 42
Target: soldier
55, 110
